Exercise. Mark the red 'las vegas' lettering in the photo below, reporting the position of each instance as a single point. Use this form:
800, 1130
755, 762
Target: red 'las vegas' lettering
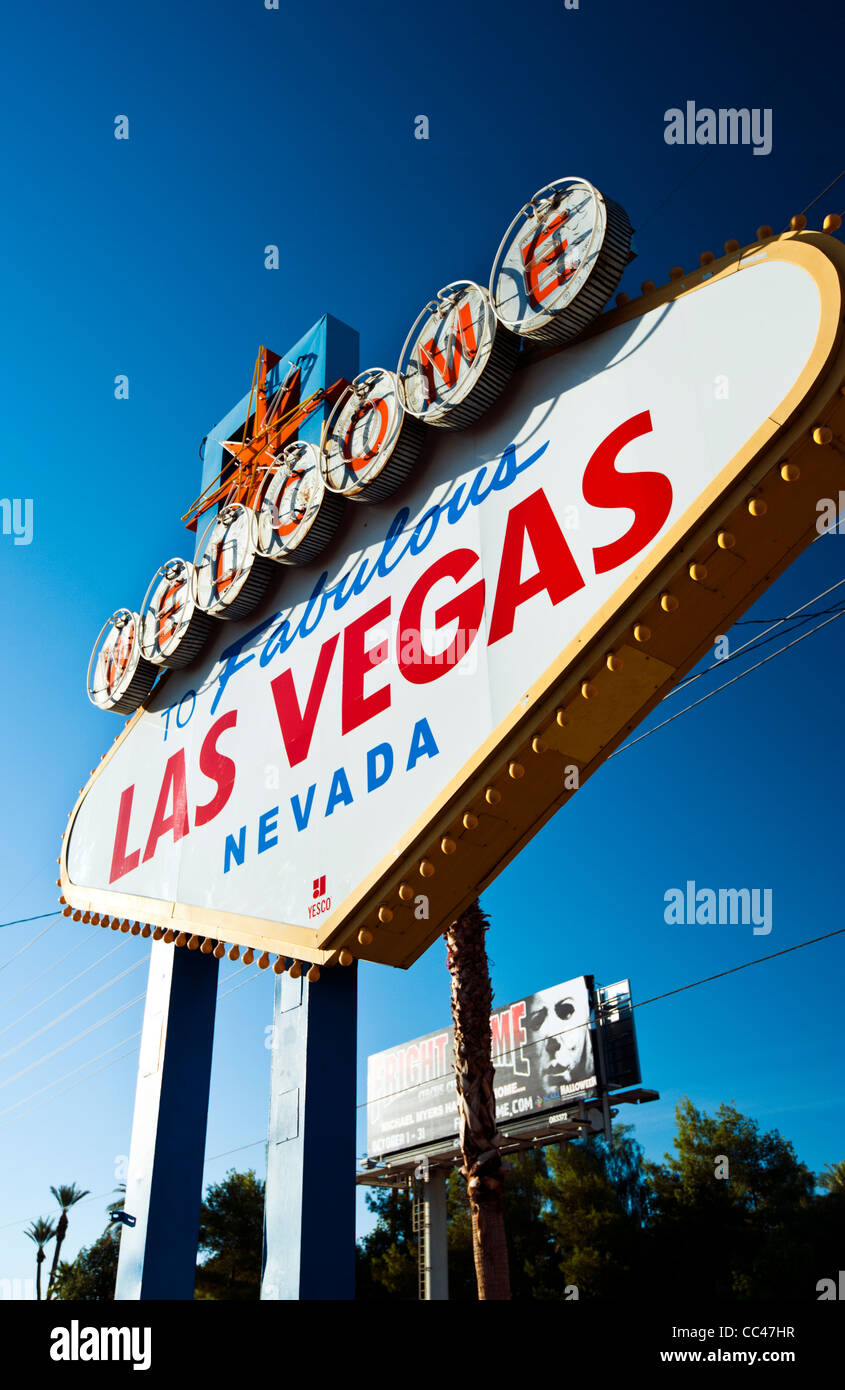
648, 495
171, 812
557, 571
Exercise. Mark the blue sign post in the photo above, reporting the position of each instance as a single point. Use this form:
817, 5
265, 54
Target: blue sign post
158, 1251
309, 1209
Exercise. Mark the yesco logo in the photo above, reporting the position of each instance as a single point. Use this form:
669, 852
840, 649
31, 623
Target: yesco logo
77, 1343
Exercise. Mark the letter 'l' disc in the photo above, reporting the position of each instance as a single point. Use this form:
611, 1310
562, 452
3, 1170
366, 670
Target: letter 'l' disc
560, 261
173, 629
118, 676
456, 359
370, 445
297, 517
230, 576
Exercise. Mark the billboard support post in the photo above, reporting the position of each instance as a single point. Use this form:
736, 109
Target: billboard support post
436, 1246
158, 1254
309, 1205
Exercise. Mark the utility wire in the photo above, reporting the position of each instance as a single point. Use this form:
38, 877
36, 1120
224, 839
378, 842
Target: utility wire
78, 947
105, 1053
84, 1034
820, 195
72, 1010
39, 918
719, 688
774, 623
68, 1074
63, 987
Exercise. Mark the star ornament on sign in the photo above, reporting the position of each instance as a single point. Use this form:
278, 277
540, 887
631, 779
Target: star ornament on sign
257, 457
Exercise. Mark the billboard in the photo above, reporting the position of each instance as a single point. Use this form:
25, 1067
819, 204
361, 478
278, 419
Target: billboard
347, 766
544, 1056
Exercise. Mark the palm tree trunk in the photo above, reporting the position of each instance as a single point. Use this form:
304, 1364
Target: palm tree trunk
39, 1260
472, 999
61, 1232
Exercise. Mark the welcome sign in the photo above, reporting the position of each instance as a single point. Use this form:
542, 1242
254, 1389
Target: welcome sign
342, 773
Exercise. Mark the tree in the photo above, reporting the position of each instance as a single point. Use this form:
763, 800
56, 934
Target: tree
232, 1231
833, 1177
91, 1276
472, 1001
42, 1232
731, 1210
529, 1243
66, 1197
386, 1259
595, 1202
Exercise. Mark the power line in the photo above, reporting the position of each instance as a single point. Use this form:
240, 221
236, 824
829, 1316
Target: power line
72, 1010
78, 947
719, 688
758, 639
39, 918
821, 195
20, 920
758, 960
79, 1036
99, 1055
74, 1072
62, 988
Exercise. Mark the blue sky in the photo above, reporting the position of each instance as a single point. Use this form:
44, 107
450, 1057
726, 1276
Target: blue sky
295, 127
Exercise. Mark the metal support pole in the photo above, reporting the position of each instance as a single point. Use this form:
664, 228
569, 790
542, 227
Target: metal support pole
309, 1211
436, 1245
158, 1255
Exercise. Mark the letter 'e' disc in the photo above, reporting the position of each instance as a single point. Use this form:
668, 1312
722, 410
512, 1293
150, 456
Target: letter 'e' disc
560, 261
118, 676
297, 517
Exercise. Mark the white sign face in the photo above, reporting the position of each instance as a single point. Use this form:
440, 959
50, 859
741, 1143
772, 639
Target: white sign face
274, 780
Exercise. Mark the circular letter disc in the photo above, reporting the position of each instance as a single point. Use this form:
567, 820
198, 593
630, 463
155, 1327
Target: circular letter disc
560, 260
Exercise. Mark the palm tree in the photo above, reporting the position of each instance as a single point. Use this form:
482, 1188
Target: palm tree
41, 1231
66, 1197
472, 1000
833, 1177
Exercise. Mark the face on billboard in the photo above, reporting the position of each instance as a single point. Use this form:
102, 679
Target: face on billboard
542, 1056
557, 1026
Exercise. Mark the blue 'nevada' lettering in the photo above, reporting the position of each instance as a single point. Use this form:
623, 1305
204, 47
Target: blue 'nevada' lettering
282, 636
379, 764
